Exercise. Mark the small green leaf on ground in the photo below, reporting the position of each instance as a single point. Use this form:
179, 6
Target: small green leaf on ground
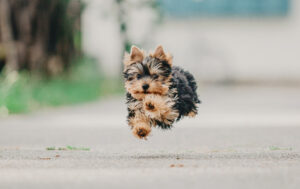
273, 148
62, 148
78, 148
50, 148
69, 148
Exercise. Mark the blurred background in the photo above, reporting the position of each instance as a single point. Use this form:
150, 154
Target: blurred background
62, 99
63, 52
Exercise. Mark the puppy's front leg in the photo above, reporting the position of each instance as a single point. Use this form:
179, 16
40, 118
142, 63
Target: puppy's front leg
140, 125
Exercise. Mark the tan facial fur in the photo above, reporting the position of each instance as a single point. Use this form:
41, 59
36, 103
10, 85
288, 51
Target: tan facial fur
134, 87
133, 66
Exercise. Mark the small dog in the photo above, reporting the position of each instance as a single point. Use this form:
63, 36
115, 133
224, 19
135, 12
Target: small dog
157, 92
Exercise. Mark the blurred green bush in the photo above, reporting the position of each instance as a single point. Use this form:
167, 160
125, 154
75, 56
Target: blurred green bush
22, 92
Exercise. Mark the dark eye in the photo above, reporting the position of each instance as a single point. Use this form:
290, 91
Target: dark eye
139, 76
155, 76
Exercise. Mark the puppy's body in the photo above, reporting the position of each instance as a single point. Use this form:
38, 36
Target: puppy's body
157, 93
186, 87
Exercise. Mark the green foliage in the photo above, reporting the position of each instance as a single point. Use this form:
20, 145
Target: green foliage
69, 148
18, 96
50, 148
273, 148
21, 92
78, 148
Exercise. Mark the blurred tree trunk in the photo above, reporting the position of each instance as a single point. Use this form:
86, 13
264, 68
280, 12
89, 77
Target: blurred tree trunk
40, 34
7, 46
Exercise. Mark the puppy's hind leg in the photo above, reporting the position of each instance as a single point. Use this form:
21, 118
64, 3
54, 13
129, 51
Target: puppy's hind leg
192, 114
194, 110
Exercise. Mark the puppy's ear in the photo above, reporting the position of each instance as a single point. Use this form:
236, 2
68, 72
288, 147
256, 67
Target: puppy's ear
136, 55
160, 54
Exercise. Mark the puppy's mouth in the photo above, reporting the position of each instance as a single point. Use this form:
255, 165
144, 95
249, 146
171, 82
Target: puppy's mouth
147, 92
143, 92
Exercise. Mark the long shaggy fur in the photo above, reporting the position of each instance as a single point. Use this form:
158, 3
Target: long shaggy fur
158, 94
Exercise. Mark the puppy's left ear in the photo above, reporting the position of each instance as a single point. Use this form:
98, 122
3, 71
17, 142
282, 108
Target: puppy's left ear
160, 54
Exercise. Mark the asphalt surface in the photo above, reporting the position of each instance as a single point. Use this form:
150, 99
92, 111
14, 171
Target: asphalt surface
242, 138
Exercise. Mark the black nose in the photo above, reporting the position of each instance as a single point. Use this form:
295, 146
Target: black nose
145, 86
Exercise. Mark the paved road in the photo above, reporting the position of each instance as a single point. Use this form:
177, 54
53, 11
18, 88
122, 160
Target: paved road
243, 138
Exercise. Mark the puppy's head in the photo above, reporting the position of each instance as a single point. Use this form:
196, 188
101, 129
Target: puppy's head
149, 74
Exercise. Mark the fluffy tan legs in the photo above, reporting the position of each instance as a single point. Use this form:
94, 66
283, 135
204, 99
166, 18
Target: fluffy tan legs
140, 124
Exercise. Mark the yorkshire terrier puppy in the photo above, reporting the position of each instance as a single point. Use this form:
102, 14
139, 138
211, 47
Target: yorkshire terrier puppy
157, 92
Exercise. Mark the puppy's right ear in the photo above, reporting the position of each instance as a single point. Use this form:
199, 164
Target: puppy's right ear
136, 55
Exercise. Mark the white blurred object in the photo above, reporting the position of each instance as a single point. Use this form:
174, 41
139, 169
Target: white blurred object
101, 30
258, 49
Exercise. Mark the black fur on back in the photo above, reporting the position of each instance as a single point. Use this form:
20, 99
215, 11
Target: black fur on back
186, 87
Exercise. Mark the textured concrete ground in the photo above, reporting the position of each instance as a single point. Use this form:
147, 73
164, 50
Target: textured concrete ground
242, 138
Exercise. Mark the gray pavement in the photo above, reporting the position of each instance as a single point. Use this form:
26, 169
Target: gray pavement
244, 137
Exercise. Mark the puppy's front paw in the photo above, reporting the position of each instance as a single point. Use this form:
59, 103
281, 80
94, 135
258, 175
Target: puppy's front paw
141, 131
149, 106
155, 105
